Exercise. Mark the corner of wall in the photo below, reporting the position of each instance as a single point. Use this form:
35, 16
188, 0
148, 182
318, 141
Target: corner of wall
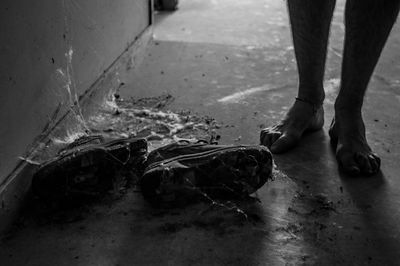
14, 191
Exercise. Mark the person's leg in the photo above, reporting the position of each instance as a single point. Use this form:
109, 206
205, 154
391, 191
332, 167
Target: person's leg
368, 24
310, 21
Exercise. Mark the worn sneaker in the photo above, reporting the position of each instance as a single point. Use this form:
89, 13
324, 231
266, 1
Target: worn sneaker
181, 172
88, 167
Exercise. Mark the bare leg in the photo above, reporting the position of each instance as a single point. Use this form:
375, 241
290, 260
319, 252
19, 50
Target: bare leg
368, 24
310, 21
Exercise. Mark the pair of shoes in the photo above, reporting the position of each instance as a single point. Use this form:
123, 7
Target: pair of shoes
171, 175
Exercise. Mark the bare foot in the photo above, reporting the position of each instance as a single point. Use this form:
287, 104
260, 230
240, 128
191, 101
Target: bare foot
353, 153
302, 117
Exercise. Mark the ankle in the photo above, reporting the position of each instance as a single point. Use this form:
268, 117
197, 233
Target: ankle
310, 105
315, 95
347, 111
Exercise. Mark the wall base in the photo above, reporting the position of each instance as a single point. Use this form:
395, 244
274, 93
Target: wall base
16, 188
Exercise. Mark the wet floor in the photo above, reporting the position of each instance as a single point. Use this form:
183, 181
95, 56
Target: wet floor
233, 61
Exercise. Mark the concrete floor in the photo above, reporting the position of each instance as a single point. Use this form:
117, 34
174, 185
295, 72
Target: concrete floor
233, 60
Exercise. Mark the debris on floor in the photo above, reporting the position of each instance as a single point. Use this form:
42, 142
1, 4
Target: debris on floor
147, 118
185, 163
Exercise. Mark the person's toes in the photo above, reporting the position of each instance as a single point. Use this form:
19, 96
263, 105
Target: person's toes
333, 135
284, 143
268, 137
363, 163
263, 136
274, 137
375, 162
347, 163
355, 164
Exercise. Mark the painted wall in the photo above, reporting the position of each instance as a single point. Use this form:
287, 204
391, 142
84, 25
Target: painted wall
48, 47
